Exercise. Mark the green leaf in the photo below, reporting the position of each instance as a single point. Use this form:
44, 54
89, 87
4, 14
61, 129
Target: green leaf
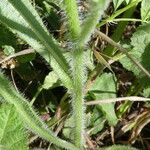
146, 92
119, 147
26, 72
8, 50
12, 134
140, 52
117, 3
2, 147
127, 1
145, 10
68, 127
50, 80
97, 121
104, 88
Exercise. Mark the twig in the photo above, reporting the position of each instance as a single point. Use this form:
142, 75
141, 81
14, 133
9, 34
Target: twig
13, 80
131, 98
123, 50
23, 52
89, 142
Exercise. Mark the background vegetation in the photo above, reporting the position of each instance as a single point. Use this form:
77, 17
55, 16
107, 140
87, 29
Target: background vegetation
74, 74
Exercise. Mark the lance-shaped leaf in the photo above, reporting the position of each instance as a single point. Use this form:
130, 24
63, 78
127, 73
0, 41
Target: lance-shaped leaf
21, 18
28, 115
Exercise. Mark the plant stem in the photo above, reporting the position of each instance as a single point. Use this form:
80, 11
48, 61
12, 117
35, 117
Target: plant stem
113, 100
120, 29
128, 19
77, 69
89, 25
36, 95
78, 95
73, 18
118, 12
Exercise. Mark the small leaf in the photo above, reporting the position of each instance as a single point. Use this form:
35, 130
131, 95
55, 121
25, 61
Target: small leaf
68, 126
12, 134
117, 3
146, 92
50, 80
8, 50
127, 1
145, 10
97, 121
104, 88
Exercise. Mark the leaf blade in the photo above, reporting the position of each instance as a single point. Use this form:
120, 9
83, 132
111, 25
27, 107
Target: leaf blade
104, 87
12, 134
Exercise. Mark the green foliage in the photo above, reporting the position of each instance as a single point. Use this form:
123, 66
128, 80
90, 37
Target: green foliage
28, 29
105, 88
117, 3
72, 68
8, 50
140, 52
145, 10
118, 147
97, 121
12, 134
146, 92
50, 81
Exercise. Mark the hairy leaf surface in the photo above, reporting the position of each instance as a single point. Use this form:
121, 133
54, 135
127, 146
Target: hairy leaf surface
140, 52
104, 88
145, 10
12, 134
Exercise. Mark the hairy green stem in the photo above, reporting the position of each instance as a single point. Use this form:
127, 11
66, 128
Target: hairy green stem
73, 18
78, 95
77, 68
89, 25
28, 115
